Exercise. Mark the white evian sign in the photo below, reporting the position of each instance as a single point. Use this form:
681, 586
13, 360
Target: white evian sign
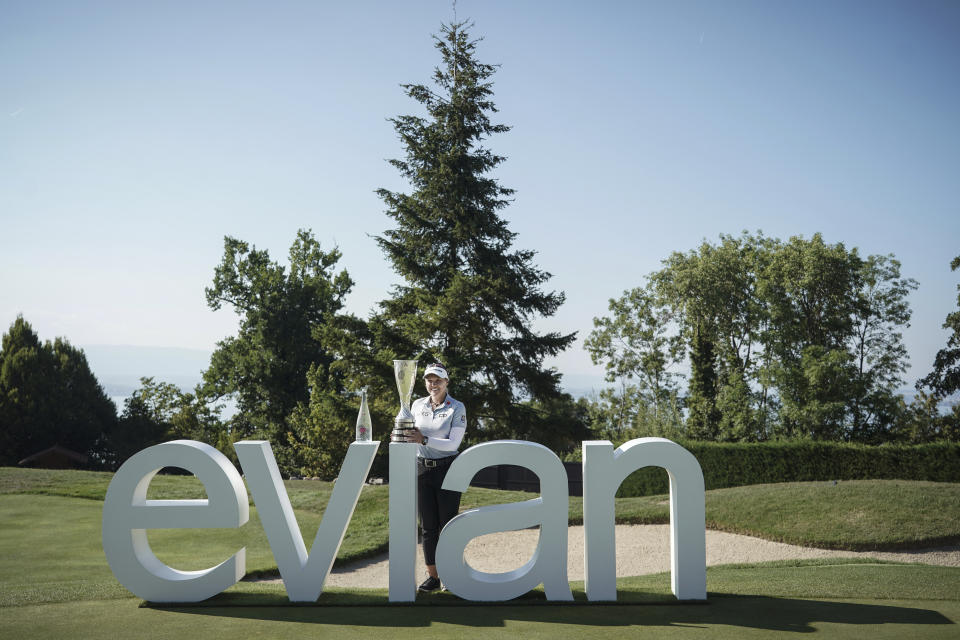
127, 515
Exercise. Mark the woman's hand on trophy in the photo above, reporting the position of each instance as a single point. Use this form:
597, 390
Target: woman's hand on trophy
415, 436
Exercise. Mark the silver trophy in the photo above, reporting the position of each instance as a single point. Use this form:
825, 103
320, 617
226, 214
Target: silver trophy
405, 372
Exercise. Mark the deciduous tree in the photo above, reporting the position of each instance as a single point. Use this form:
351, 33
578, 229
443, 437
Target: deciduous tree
791, 339
283, 314
639, 346
944, 380
880, 358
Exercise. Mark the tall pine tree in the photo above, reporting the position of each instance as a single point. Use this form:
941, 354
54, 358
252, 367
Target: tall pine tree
469, 299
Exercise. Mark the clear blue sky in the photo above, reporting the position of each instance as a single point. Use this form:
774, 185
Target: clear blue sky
134, 136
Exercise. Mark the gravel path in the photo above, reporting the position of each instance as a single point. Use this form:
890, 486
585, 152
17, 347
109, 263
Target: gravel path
641, 549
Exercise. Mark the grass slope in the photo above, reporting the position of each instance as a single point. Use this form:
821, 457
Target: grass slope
54, 580
856, 515
743, 603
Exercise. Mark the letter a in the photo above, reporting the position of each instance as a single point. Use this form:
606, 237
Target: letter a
549, 562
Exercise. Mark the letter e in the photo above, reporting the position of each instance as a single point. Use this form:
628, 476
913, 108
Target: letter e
127, 514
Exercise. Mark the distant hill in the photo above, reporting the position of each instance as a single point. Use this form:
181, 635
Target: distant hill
582, 384
120, 367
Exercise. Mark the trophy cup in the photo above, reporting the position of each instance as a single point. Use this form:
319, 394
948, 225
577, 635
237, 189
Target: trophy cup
405, 372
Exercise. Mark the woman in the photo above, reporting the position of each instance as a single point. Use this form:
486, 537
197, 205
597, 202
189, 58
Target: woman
440, 422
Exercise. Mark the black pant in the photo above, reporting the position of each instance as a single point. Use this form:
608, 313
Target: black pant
437, 506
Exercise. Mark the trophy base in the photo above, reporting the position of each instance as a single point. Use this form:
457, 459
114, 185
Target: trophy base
402, 435
403, 432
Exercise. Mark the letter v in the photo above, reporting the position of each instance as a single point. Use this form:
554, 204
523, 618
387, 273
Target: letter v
303, 575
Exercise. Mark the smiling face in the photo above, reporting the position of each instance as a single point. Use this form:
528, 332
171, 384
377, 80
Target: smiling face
436, 387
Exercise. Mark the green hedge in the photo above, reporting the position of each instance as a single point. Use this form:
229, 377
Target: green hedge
736, 464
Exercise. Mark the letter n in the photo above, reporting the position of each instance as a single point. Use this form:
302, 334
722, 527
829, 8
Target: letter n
603, 471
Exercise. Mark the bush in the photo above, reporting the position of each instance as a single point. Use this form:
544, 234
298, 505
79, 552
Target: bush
741, 463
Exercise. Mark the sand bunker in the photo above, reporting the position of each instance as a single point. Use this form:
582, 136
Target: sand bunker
641, 549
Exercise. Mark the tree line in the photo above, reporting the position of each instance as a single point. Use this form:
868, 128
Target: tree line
795, 339
781, 339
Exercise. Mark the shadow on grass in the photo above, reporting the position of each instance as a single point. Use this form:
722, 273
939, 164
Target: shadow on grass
754, 612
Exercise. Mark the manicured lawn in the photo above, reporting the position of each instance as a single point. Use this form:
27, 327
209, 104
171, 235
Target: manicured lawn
856, 515
843, 578
54, 580
366, 535
733, 611
853, 515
